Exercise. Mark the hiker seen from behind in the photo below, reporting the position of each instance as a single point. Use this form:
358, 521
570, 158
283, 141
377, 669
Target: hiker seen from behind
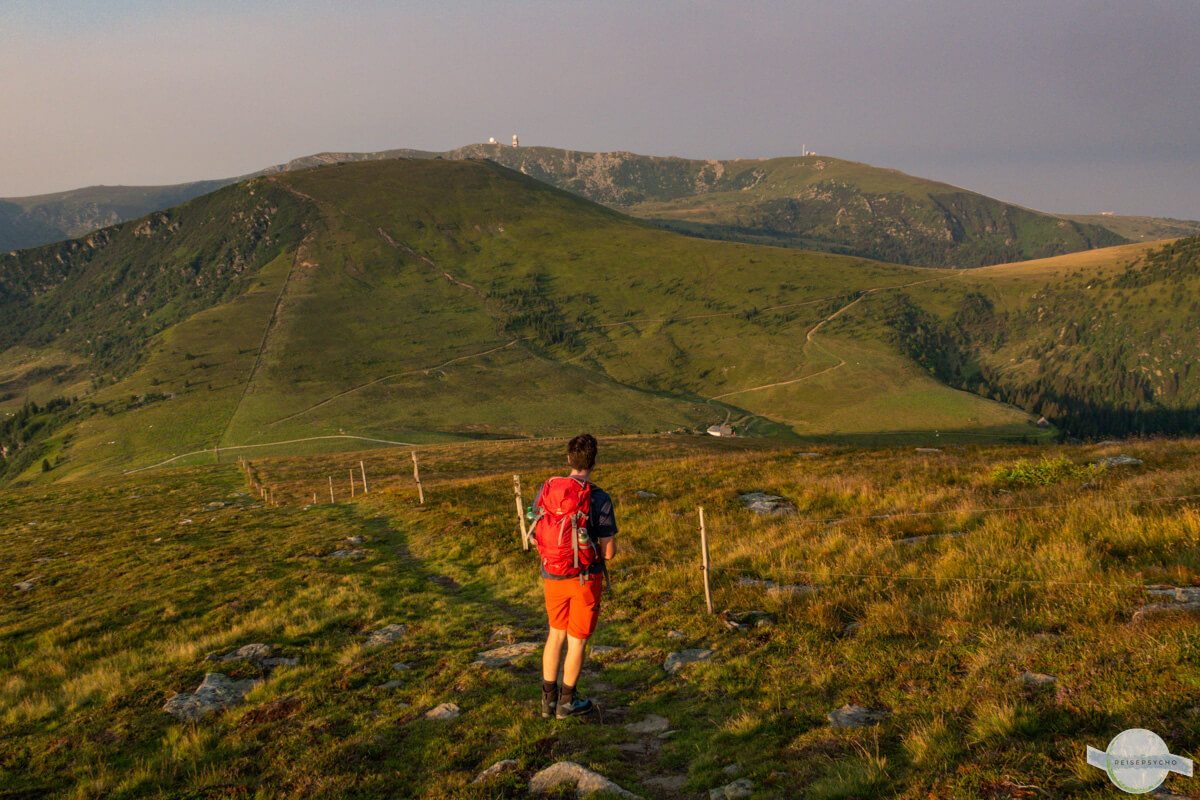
575, 530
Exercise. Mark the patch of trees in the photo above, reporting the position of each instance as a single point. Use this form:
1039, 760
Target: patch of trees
24, 433
1082, 383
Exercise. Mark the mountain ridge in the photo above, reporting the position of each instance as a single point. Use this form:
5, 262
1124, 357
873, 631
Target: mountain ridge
874, 212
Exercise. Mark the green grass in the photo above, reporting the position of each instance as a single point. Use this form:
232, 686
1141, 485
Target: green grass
132, 598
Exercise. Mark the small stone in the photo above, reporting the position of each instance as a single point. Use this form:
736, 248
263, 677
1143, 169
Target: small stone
851, 629
676, 635
651, 724
1036, 680
667, 734
253, 653
353, 554
733, 770
1188, 594
216, 692
185, 522
1161, 609
496, 770
600, 650
852, 716
1119, 461
584, 780
24, 586
503, 656
400, 666
742, 787
395, 683
385, 636
928, 449
677, 661
632, 747
356, 539
444, 712
745, 620
504, 633
791, 590
1160, 589
281, 661
645, 494
808, 455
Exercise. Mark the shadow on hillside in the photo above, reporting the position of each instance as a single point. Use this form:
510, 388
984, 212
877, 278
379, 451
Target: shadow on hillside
381, 529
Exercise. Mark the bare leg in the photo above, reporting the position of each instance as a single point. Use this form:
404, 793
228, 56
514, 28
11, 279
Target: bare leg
552, 654
574, 662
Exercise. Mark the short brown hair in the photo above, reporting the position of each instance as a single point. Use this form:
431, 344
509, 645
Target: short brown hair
581, 452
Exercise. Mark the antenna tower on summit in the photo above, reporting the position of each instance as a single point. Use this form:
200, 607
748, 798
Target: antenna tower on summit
515, 143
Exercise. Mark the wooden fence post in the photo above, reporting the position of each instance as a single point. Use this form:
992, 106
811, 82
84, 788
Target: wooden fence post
363, 468
417, 478
352, 483
331, 489
704, 559
521, 512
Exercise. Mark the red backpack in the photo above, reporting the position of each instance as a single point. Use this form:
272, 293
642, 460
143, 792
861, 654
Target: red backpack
560, 527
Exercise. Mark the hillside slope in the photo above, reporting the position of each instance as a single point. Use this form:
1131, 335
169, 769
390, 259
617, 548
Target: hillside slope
432, 300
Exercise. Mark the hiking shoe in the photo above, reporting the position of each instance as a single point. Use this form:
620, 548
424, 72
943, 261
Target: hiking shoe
548, 704
575, 708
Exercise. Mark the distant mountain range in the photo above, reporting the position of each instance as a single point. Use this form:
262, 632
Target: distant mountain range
812, 202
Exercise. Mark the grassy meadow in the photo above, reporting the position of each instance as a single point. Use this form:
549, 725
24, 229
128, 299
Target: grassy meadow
137, 578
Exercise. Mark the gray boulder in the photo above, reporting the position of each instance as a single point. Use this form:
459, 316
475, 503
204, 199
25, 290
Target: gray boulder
260, 655
677, 661
767, 505
1119, 461
444, 712
1188, 594
385, 636
1036, 680
568, 772
852, 716
351, 554
214, 693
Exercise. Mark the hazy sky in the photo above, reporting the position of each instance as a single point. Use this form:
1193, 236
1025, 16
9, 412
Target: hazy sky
1074, 106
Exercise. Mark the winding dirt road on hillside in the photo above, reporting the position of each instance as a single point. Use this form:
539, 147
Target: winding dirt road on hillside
808, 339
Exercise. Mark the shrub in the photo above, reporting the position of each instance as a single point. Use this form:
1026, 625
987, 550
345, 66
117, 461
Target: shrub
1043, 473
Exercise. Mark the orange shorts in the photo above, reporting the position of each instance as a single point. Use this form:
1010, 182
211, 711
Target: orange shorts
572, 606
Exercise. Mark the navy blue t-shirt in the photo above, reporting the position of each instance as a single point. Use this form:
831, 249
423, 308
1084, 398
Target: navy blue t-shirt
602, 523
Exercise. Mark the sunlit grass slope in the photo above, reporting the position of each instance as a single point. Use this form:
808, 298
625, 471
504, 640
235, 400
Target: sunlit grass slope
137, 579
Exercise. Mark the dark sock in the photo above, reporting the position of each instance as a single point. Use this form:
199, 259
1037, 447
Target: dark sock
566, 695
550, 690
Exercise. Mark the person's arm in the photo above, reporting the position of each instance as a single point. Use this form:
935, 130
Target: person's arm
608, 547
